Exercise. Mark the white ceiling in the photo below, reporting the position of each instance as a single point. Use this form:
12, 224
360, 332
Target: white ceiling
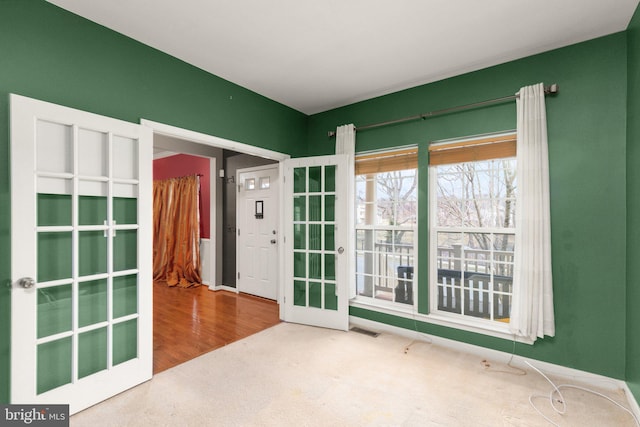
316, 55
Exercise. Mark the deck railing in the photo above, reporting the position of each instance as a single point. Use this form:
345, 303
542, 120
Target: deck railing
475, 282
387, 272
469, 284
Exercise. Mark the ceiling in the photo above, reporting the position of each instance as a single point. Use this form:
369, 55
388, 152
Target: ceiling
317, 55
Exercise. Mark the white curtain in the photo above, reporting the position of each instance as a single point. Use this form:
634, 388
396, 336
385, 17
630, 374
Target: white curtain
346, 144
346, 140
532, 305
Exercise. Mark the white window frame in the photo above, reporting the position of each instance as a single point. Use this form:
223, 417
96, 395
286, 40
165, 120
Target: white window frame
461, 321
379, 302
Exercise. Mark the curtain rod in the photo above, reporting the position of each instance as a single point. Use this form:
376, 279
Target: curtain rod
552, 89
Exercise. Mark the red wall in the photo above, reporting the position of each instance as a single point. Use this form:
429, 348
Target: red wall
182, 165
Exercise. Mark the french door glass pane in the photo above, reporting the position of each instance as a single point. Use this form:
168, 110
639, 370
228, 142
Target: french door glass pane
315, 208
299, 236
92, 302
315, 179
126, 151
299, 208
299, 293
125, 210
92, 210
125, 341
125, 250
54, 209
315, 294
92, 352
315, 237
330, 267
92, 253
54, 256
54, 310
299, 180
300, 264
125, 295
330, 208
329, 237
54, 145
330, 178
92, 152
315, 266
330, 297
54, 364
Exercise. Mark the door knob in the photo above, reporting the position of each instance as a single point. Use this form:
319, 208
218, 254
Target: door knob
26, 282
340, 250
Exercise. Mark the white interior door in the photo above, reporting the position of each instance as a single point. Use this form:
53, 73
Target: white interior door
257, 234
317, 241
81, 251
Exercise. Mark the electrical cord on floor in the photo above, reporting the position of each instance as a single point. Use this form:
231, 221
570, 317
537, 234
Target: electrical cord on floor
415, 328
560, 398
516, 370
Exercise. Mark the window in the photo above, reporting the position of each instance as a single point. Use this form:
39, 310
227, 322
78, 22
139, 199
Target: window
386, 226
473, 188
250, 184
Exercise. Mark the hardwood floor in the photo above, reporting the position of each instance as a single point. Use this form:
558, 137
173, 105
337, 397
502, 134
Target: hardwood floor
190, 322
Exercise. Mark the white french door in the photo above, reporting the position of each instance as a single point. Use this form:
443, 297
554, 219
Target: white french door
81, 251
317, 241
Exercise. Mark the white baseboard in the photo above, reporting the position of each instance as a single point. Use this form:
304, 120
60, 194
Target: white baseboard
586, 378
205, 261
223, 288
633, 403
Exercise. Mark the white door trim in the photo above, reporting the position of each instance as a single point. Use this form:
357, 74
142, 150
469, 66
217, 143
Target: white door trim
227, 144
212, 141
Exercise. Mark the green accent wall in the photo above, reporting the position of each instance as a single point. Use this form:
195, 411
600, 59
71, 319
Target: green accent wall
50, 54
633, 208
587, 149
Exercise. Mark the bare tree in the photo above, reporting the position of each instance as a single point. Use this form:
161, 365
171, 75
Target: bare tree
395, 199
478, 194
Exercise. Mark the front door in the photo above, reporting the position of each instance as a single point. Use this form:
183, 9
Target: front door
316, 279
80, 255
257, 231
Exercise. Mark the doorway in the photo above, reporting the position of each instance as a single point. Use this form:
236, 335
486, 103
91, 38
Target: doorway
226, 156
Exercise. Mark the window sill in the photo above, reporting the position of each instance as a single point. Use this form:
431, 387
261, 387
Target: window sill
410, 312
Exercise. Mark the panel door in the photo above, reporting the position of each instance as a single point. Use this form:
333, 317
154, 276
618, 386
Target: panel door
257, 240
81, 255
316, 242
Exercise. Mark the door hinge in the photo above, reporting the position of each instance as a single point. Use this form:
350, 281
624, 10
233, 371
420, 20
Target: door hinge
238, 231
238, 275
238, 188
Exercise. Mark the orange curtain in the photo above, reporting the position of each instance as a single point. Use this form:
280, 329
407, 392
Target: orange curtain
176, 232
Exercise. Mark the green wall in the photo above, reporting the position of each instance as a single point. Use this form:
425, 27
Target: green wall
52, 55
633, 208
587, 147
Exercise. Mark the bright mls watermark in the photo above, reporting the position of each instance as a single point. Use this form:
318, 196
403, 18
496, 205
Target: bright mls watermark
34, 415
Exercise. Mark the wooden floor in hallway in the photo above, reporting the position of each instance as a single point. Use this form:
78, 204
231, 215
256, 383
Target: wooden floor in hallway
189, 322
